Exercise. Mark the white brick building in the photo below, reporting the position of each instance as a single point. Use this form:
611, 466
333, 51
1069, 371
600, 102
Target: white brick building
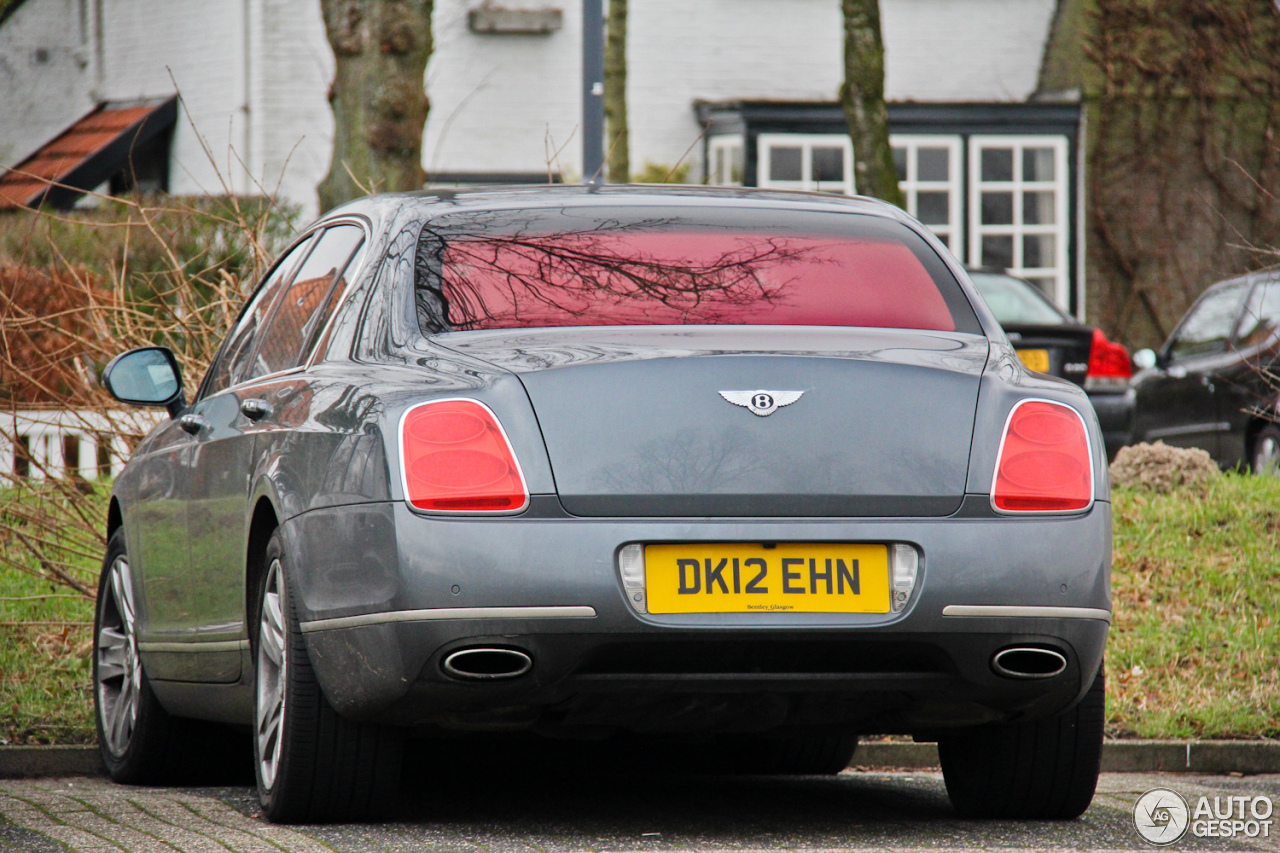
253, 75
746, 87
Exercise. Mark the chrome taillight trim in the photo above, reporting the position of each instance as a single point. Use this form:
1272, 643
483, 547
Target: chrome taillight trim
483, 513
1088, 441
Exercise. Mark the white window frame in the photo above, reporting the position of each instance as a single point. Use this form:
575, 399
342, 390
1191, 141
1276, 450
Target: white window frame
806, 142
1061, 227
720, 151
954, 185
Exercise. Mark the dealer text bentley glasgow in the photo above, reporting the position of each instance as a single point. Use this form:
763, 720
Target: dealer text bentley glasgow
731, 469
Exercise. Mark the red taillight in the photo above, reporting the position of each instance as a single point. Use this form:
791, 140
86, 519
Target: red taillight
1045, 464
456, 458
1109, 365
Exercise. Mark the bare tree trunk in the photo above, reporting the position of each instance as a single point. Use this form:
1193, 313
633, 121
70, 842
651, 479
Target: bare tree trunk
615, 94
862, 96
381, 48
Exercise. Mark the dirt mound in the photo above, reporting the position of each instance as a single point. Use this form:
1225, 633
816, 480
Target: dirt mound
1162, 468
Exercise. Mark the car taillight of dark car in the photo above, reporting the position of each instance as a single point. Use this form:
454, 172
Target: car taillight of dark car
1109, 365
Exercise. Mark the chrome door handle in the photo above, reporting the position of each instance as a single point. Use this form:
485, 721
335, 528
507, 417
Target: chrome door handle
191, 423
255, 409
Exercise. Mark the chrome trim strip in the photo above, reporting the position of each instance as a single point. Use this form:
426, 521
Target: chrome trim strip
440, 613
363, 224
1018, 610
195, 646
1189, 429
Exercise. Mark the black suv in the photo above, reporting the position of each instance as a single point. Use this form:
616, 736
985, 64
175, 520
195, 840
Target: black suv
1213, 384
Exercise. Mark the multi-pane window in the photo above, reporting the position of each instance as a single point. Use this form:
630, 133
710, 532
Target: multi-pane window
1017, 190
929, 175
797, 161
1018, 208
725, 166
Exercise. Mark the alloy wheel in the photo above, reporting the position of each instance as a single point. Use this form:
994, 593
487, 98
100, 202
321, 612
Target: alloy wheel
119, 672
272, 654
1266, 456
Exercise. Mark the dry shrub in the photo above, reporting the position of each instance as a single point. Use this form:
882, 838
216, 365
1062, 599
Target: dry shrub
77, 290
48, 327
1162, 468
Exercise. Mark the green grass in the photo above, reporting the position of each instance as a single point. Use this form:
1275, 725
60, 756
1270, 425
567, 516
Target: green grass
1196, 589
45, 694
1193, 649
45, 629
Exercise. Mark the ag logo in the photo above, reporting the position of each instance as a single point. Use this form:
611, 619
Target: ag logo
1161, 816
762, 403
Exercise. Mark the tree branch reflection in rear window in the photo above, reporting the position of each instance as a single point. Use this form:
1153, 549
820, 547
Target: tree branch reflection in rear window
508, 269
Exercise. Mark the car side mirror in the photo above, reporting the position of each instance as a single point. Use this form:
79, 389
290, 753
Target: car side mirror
149, 376
1145, 359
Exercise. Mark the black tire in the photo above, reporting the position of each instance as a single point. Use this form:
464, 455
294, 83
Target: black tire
325, 768
1264, 454
1042, 770
792, 755
143, 745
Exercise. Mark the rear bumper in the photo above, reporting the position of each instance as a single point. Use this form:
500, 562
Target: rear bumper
386, 596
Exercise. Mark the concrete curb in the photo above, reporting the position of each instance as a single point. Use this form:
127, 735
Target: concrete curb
1118, 756
19, 762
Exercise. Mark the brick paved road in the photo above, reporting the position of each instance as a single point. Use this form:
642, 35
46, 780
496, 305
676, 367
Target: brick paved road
559, 810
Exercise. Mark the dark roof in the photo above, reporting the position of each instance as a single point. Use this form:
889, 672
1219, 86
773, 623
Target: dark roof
85, 154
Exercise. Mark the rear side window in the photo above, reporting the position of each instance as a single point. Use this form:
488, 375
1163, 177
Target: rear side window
232, 364
592, 267
295, 324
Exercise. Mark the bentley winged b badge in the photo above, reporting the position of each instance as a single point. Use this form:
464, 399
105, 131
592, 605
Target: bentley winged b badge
761, 403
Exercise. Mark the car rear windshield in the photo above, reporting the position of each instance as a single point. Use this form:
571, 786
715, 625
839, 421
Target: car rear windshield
1015, 301
578, 266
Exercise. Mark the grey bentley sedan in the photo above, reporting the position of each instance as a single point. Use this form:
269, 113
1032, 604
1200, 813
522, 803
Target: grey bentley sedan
754, 473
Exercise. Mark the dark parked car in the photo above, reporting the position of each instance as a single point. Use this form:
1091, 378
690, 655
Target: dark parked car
1213, 384
1049, 340
745, 469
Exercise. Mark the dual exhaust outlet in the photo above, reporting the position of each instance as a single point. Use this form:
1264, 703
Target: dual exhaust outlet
486, 663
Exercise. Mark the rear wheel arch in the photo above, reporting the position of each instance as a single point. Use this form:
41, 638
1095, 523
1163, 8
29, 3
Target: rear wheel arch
115, 518
261, 527
1251, 433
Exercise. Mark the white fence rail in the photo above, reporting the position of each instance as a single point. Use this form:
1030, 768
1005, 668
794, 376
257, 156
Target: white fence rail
37, 443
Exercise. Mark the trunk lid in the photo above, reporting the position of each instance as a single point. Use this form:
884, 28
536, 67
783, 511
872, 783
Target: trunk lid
635, 424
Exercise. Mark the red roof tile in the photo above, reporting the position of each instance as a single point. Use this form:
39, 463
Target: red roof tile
26, 184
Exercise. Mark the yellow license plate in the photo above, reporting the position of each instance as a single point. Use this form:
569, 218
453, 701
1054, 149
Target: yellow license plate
752, 578
1035, 359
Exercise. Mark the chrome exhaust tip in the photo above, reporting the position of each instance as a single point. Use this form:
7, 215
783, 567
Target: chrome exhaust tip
487, 664
1028, 662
